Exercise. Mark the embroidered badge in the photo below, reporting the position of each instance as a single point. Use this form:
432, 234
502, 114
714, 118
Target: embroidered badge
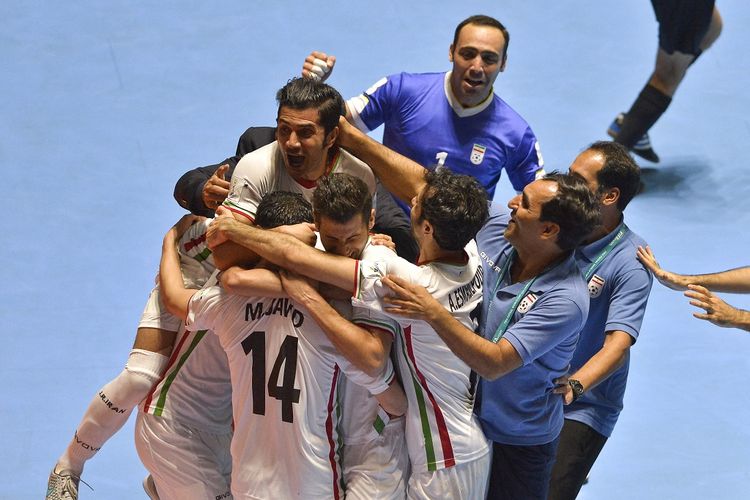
477, 154
596, 285
526, 303
372, 270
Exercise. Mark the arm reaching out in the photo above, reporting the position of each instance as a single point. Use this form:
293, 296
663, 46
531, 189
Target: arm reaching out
490, 360
732, 281
286, 251
173, 292
366, 349
400, 175
716, 310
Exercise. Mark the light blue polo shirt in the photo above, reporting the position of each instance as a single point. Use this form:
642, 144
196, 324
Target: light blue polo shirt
520, 407
619, 292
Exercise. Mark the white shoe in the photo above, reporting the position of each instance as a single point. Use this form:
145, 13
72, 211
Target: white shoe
62, 485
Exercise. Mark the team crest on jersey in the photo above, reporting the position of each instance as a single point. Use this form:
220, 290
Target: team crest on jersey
477, 154
596, 285
526, 303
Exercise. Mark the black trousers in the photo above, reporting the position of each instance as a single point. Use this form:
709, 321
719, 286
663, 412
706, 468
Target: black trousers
521, 472
579, 446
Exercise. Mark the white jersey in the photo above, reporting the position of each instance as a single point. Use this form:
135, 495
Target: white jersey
441, 429
262, 171
196, 259
284, 380
195, 388
362, 415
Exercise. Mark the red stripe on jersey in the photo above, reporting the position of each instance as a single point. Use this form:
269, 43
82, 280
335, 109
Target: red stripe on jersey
170, 364
445, 440
329, 434
195, 242
355, 288
234, 210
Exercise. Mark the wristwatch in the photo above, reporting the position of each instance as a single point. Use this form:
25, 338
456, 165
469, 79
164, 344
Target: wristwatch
576, 387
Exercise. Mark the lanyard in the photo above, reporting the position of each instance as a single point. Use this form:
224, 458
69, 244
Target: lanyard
605, 251
509, 315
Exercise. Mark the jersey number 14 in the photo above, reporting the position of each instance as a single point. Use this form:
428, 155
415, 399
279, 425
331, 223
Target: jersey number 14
255, 345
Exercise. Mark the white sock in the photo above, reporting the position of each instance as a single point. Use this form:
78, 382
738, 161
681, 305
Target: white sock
111, 407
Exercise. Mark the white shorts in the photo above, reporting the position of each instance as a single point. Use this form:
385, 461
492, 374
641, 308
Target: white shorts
155, 315
466, 481
185, 463
378, 469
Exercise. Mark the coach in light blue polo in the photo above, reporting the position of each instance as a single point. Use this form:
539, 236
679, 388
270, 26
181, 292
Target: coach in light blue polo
619, 291
535, 305
618, 286
520, 408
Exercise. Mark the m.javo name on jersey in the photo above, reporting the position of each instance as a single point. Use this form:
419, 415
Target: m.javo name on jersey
458, 297
281, 306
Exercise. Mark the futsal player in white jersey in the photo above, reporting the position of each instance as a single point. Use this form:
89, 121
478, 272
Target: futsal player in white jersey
284, 381
304, 151
184, 425
449, 454
148, 359
375, 460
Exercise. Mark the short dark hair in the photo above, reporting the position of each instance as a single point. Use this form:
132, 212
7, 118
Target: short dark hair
455, 205
306, 93
574, 209
482, 20
340, 197
282, 208
619, 171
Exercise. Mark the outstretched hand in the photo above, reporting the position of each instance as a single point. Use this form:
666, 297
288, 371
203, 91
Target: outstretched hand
670, 280
716, 310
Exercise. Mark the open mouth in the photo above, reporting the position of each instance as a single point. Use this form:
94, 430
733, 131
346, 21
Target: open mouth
295, 161
473, 83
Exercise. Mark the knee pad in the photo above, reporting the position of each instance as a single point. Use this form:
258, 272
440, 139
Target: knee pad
142, 370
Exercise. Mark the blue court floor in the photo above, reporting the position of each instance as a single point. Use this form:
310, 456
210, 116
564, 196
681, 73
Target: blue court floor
103, 105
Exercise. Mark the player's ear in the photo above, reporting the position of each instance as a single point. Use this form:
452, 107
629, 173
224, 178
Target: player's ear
371, 222
450, 53
611, 196
426, 228
331, 137
550, 230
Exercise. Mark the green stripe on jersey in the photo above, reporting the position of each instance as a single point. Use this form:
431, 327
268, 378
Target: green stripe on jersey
159, 408
424, 418
203, 255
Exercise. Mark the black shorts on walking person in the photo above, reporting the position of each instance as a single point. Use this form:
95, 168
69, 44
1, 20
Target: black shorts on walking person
683, 24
